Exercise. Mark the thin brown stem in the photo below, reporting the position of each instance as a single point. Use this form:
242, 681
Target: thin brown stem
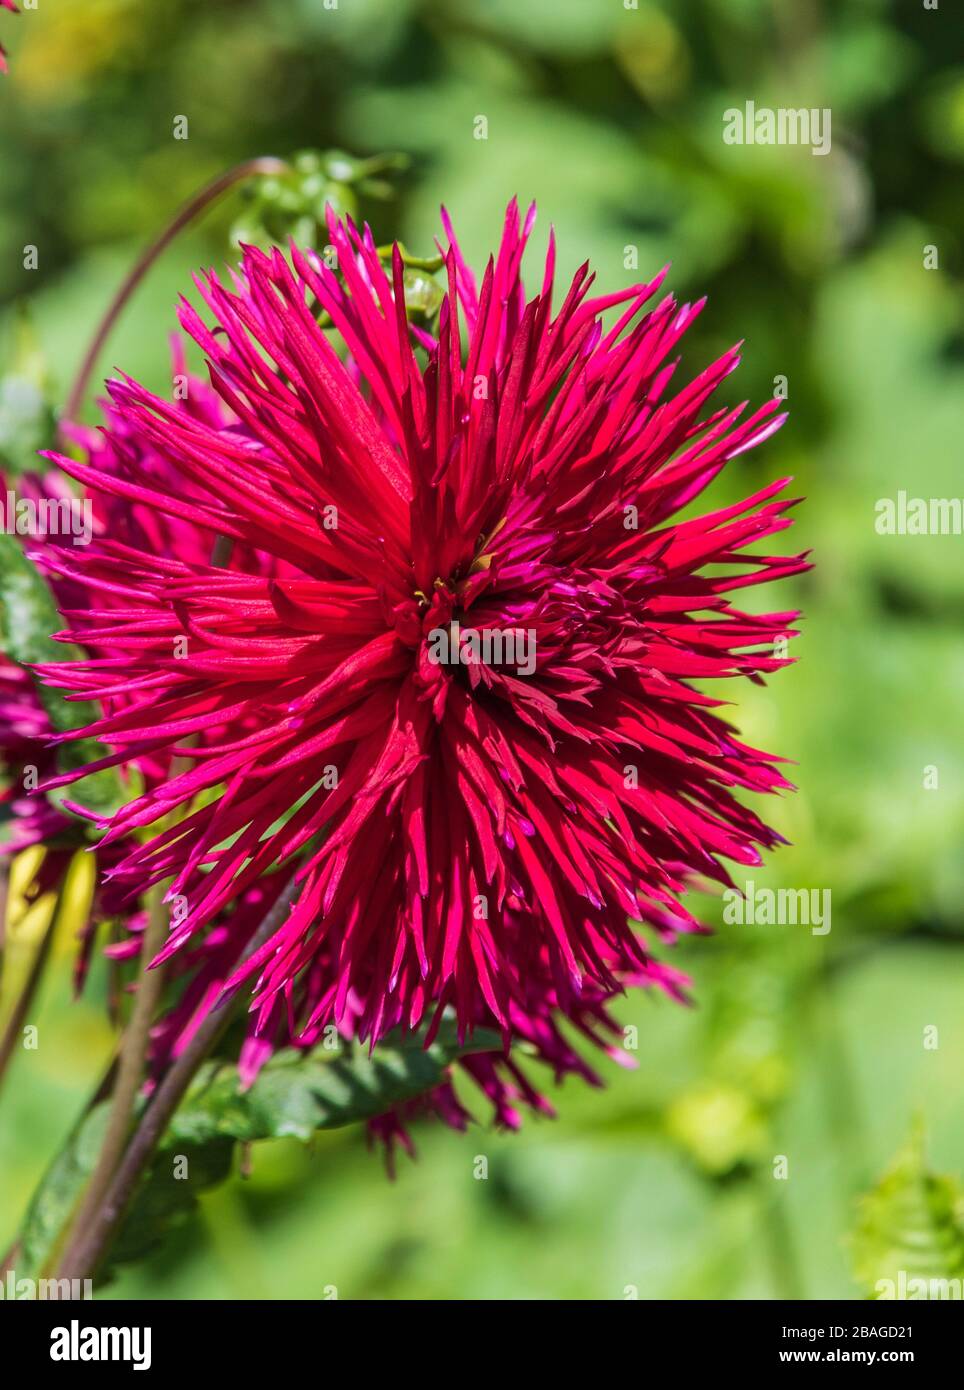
88, 1248
131, 1059
131, 1063
250, 168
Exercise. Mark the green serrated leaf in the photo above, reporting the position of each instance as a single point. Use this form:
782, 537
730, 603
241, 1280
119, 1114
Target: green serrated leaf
295, 1094
300, 1092
910, 1226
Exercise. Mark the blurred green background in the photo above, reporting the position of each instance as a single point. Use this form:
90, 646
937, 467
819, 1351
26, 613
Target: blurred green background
806, 1046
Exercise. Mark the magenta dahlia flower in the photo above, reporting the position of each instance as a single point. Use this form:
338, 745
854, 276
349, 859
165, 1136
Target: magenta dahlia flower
462, 700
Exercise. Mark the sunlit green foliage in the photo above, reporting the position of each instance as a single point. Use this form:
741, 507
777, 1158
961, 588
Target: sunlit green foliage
813, 1050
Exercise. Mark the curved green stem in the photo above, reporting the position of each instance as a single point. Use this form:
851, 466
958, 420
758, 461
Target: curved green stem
250, 168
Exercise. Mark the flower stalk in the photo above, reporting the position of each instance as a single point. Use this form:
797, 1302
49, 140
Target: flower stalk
86, 1251
131, 1065
265, 165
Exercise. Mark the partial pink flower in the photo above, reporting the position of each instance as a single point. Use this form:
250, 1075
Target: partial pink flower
28, 752
476, 831
25, 758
